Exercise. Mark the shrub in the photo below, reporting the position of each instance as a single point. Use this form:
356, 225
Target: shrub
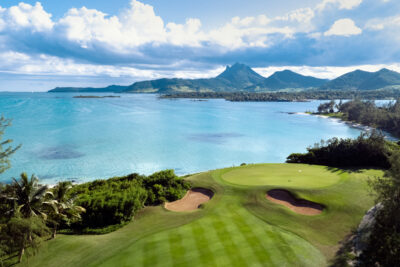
369, 149
113, 202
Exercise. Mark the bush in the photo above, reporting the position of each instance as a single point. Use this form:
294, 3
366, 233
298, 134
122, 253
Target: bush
164, 186
368, 150
113, 202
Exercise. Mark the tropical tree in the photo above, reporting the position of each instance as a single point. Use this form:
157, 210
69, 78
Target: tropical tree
5, 149
29, 204
65, 211
29, 197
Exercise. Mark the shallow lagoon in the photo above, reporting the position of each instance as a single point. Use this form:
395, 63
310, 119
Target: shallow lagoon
80, 139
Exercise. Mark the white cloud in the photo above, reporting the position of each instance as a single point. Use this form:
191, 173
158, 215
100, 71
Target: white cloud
20, 63
247, 32
377, 24
342, 4
139, 25
136, 26
343, 27
303, 15
185, 34
26, 16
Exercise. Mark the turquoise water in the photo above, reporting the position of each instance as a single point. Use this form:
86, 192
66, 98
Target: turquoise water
65, 138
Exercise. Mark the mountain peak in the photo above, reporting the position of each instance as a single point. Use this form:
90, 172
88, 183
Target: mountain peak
237, 67
241, 75
385, 70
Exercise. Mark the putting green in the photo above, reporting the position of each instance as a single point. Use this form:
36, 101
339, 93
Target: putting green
288, 175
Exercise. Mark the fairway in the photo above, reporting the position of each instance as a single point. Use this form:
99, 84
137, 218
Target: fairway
237, 227
290, 175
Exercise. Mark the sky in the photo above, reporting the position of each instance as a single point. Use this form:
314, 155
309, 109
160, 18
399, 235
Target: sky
45, 44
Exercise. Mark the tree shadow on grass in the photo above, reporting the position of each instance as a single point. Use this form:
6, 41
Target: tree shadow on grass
341, 170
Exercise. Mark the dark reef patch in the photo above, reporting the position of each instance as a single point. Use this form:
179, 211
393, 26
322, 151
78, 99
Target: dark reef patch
214, 138
59, 152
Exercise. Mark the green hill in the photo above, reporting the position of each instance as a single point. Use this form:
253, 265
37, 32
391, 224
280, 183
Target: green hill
363, 80
289, 79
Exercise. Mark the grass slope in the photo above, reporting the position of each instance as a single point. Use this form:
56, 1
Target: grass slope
238, 227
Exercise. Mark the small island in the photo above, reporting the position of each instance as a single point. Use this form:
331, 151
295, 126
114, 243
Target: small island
95, 96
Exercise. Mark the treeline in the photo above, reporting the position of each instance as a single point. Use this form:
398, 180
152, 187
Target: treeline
385, 117
289, 96
368, 150
112, 202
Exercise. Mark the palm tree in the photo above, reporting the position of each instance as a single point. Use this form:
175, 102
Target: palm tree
29, 200
29, 197
66, 211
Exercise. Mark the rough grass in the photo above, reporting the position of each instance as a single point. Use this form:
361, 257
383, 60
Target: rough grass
238, 227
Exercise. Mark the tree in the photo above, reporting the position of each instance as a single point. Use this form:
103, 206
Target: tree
28, 200
21, 233
383, 247
64, 210
5, 149
328, 107
29, 197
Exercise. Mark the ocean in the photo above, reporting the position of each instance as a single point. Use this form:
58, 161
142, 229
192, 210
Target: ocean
82, 139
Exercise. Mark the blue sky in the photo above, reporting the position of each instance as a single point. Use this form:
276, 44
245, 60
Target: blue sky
50, 43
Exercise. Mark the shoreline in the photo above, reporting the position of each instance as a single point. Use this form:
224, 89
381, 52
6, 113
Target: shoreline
351, 124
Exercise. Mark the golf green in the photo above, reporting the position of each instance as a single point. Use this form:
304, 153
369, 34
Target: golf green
289, 175
237, 227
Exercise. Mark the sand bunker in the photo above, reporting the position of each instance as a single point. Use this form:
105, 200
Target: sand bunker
301, 206
191, 201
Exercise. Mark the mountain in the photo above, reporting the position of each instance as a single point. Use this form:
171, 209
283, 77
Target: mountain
235, 78
381, 79
241, 75
348, 81
364, 80
290, 79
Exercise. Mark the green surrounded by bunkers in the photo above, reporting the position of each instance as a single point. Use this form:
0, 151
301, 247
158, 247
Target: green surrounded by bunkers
239, 226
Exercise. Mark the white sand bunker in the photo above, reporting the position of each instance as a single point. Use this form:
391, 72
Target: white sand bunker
191, 201
300, 206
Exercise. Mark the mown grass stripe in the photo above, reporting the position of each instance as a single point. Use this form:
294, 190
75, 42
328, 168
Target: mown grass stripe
150, 252
225, 238
176, 248
285, 248
206, 256
252, 240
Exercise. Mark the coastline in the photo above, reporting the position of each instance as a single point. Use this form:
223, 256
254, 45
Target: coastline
351, 124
